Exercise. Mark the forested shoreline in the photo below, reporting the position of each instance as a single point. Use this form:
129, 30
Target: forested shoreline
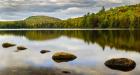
119, 17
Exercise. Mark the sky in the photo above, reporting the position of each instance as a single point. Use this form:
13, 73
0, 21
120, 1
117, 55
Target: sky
63, 9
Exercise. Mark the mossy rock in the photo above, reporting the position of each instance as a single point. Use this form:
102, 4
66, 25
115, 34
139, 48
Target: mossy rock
7, 45
21, 48
63, 57
122, 64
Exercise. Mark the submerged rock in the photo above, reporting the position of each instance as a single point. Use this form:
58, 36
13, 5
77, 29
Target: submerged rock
6, 45
21, 48
63, 57
122, 64
66, 72
44, 51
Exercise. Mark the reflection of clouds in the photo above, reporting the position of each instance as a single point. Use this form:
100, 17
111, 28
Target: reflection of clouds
91, 57
9, 59
19, 9
79, 70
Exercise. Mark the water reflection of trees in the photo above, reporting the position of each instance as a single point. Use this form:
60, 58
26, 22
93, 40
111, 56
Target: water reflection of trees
126, 40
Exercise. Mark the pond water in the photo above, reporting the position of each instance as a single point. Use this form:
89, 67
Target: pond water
92, 49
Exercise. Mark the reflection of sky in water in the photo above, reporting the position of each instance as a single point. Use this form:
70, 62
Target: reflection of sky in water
91, 57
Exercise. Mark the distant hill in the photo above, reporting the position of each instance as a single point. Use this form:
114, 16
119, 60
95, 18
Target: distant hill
42, 17
41, 20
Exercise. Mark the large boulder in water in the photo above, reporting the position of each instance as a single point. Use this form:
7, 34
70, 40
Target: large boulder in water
63, 57
6, 45
122, 64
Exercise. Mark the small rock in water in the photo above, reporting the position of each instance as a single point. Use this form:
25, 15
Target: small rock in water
21, 48
66, 72
44, 51
122, 64
63, 57
7, 45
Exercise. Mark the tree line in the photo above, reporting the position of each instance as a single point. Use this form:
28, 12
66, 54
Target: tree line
120, 17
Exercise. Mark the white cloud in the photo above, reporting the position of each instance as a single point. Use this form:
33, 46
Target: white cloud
116, 1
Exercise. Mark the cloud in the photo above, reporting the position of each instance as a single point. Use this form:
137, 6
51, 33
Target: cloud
19, 9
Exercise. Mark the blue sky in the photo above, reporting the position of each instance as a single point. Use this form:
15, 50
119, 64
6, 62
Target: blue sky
63, 9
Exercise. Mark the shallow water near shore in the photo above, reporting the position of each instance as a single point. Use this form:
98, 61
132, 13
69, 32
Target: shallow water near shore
92, 49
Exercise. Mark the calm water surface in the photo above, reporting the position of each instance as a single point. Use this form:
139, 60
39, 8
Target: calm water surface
92, 49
